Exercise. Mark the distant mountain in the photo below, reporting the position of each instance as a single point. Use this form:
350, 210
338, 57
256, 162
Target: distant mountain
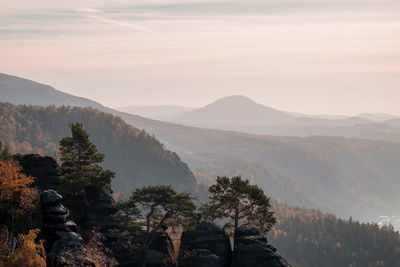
137, 158
379, 117
393, 122
239, 113
368, 117
17, 90
155, 112
357, 120
233, 110
321, 116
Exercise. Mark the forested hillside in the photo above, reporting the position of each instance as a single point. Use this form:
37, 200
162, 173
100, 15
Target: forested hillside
278, 186
308, 238
137, 158
347, 177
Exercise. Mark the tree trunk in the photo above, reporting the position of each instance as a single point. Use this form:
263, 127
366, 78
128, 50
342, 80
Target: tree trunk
150, 235
236, 226
12, 218
144, 253
147, 240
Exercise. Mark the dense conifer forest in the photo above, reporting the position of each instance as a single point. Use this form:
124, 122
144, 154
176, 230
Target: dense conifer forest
137, 158
311, 238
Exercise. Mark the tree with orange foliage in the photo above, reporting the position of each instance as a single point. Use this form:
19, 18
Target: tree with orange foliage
18, 199
29, 253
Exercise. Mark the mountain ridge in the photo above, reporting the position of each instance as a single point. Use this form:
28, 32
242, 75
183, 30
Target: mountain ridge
155, 112
241, 114
14, 88
345, 176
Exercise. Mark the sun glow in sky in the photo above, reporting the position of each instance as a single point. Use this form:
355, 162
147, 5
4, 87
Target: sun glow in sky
313, 56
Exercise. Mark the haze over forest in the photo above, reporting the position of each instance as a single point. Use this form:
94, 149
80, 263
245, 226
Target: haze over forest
361, 168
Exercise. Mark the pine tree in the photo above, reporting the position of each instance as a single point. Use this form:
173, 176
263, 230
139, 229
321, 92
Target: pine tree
84, 184
241, 202
159, 207
4, 152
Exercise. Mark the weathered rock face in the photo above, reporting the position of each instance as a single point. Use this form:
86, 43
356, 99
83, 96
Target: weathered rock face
43, 168
58, 232
252, 249
160, 252
205, 246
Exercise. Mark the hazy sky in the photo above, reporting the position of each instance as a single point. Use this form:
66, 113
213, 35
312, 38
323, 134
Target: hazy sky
314, 56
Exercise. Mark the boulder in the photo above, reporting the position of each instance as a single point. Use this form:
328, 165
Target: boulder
253, 249
51, 200
159, 254
206, 245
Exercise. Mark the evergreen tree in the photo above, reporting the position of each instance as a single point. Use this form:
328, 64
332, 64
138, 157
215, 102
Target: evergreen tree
84, 184
4, 153
159, 207
241, 202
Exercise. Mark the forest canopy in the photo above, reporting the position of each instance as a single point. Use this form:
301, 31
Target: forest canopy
138, 158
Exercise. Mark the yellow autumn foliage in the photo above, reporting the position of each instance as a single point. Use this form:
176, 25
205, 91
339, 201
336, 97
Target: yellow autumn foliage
18, 199
29, 253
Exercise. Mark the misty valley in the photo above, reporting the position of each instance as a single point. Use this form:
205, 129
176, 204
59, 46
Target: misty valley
86, 185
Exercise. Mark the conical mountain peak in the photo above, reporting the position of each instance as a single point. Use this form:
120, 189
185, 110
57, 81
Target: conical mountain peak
234, 99
234, 110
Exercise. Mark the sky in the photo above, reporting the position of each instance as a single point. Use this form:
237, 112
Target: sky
311, 56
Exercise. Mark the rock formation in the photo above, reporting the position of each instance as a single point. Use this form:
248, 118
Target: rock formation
42, 168
160, 252
253, 249
206, 245
59, 233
